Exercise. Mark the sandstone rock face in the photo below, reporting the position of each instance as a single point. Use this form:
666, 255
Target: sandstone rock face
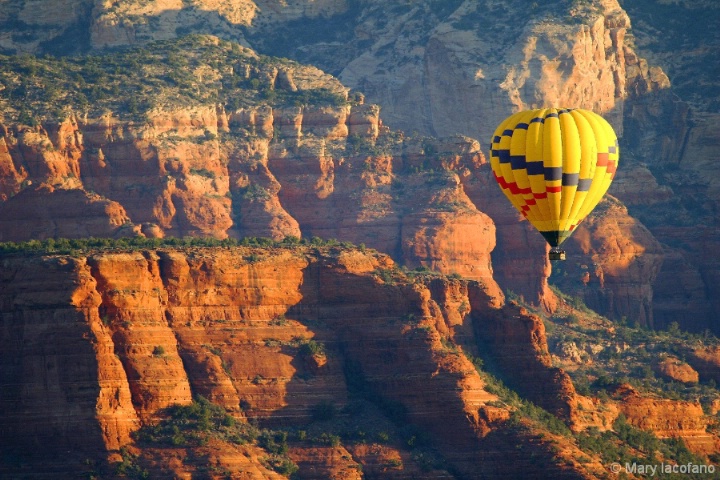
680, 292
675, 369
638, 186
673, 134
451, 81
329, 172
41, 21
116, 24
154, 371
331, 463
575, 56
668, 418
72, 388
687, 223
112, 24
429, 203
153, 187
706, 360
440, 70
616, 270
49, 212
520, 261
580, 61
138, 22
677, 144
591, 412
518, 344
146, 329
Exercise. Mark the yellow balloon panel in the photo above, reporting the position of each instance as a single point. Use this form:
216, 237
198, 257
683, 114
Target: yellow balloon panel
554, 165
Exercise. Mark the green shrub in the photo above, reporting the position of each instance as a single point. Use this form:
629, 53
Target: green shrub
274, 442
309, 348
203, 172
129, 466
281, 464
326, 438
194, 424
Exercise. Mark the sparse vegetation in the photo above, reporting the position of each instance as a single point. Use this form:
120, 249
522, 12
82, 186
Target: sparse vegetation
281, 464
310, 348
198, 70
129, 466
197, 424
279, 321
625, 356
203, 172
627, 444
254, 192
77, 246
624, 352
130, 82
524, 409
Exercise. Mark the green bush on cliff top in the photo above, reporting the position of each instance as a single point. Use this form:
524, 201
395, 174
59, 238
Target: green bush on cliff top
76, 246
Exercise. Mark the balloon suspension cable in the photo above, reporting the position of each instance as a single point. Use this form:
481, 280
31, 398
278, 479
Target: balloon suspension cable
556, 254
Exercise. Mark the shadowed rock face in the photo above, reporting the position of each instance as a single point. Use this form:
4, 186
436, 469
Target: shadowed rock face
94, 346
618, 278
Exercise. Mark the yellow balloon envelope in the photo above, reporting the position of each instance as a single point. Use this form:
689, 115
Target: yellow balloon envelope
554, 165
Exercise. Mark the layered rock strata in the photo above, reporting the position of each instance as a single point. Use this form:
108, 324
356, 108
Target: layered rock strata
324, 173
93, 347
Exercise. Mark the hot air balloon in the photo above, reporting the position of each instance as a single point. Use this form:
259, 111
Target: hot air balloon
554, 165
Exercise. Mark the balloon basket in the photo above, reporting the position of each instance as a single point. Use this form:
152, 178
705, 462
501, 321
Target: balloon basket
556, 254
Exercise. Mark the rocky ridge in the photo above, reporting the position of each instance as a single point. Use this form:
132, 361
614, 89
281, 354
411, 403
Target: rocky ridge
317, 177
137, 331
331, 172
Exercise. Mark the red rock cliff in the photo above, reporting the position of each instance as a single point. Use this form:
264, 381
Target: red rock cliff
91, 347
329, 172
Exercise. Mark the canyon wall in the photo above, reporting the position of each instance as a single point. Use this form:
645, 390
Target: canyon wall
328, 172
94, 346
478, 62
461, 67
299, 171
